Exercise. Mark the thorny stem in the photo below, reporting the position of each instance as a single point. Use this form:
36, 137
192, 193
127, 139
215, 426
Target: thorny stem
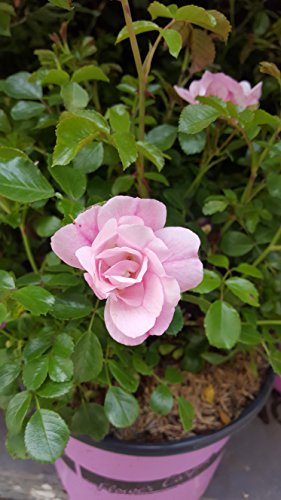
269, 322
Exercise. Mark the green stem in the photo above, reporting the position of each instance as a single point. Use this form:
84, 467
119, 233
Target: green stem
142, 189
27, 245
4, 204
269, 322
93, 316
270, 248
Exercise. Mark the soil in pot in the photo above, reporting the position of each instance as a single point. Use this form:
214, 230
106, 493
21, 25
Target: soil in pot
218, 394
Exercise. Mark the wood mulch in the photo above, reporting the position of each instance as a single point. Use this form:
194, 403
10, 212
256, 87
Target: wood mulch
218, 394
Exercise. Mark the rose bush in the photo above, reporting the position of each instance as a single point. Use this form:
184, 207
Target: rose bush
80, 127
222, 86
135, 263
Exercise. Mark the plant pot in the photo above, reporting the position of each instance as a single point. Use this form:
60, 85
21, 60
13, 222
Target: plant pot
117, 470
277, 383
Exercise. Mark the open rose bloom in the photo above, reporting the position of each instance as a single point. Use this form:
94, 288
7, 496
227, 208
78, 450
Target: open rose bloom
224, 87
133, 262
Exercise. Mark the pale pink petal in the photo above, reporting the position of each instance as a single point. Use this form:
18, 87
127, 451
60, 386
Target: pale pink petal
153, 294
134, 236
133, 295
152, 212
172, 293
113, 255
131, 321
106, 237
123, 281
185, 94
85, 257
101, 294
255, 95
119, 336
80, 233
130, 219
122, 268
183, 263
163, 321
154, 264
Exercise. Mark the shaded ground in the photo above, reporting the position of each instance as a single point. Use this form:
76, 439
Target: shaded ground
250, 468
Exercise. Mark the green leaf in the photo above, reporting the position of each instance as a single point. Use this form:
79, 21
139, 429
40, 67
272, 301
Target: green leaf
187, 413
152, 153
274, 357
5, 21
197, 117
55, 77
6, 281
119, 118
222, 325
211, 281
250, 335
215, 358
161, 400
23, 110
61, 280
174, 41
203, 50
173, 376
163, 136
213, 206
249, 270
139, 27
70, 305
157, 9
192, 144
273, 183
51, 390
87, 358
74, 96
46, 436
60, 362
90, 158
15, 445
244, 290
35, 373
123, 376
20, 179
90, 420
73, 133
18, 86
47, 225
177, 322
63, 4
155, 176
196, 15
8, 373
219, 261
73, 182
235, 243
3, 313
38, 345
121, 408
140, 365
4, 122
34, 299
222, 27
89, 72
126, 146
122, 184
17, 409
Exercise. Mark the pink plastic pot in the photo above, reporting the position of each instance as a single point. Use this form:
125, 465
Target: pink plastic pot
277, 383
117, 470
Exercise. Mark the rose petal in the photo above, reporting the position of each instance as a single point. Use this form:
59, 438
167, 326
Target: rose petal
163, 321
183, 263
133, 295
69, 238
131, 321
153, 294
134, 236
152, 212
119, 336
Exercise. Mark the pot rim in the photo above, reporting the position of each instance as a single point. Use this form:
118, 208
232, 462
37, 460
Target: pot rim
164, 448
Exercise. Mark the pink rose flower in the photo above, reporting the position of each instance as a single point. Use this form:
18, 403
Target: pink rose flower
224, 87
133, 262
